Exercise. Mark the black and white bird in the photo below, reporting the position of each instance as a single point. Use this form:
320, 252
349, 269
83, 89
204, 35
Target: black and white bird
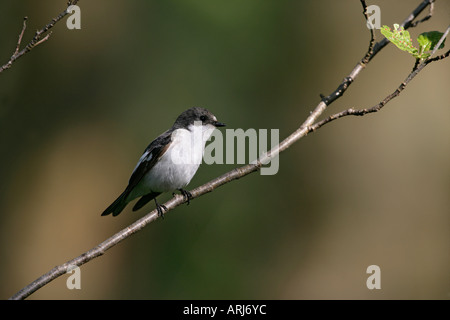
169, 162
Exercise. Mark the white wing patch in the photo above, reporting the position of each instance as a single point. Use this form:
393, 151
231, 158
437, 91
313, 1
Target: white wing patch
144, 158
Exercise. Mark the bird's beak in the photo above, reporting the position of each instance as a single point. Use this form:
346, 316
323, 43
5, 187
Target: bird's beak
219, 124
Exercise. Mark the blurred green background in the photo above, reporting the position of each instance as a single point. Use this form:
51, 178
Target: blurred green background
77, 112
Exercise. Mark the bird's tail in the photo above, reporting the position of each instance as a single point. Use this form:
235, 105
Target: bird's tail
117, 206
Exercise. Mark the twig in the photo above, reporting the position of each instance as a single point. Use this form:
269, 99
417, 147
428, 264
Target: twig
19, 41
361, 112
381, 104
210, 186
406, 24
369, 53
441, 40
372, 51
430, 14
38, 38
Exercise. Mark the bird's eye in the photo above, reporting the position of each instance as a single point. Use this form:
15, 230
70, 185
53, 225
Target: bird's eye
203, 118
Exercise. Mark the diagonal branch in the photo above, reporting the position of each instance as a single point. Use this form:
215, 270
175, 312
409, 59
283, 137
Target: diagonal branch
232, 175
407, 23
381, 104
441, 40
369, 53
19, 41
430, 14
40, 36
396, 93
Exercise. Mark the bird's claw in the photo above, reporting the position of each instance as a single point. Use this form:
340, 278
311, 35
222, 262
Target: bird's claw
186, 195
160, 208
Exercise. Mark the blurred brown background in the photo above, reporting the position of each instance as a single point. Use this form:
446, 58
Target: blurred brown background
77, 112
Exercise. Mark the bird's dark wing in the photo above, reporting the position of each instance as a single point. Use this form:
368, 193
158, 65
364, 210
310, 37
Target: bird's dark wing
146, 162
149, 158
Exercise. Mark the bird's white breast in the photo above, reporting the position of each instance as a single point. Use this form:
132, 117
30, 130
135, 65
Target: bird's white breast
178, 165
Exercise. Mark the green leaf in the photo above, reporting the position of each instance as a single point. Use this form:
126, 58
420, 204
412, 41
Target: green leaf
427, 42
401, 39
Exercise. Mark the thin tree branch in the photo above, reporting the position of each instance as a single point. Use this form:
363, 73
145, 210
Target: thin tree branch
441, 40
40, 36
361, 112
440, 57
381, 104
406, 24
232, 175
19, 41
369, 53
430, 14
372, 50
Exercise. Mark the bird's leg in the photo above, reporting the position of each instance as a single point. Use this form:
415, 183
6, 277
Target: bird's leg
186, 195
159, 208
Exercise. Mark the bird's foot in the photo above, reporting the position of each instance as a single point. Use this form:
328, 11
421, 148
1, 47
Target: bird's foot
160, 208
186, 195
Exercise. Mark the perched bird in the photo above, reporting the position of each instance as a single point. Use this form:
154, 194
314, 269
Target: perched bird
169, 162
